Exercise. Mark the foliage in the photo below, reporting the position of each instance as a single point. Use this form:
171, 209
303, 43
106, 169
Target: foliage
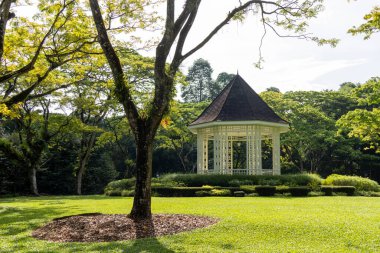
122, 184
364, 123
371, 26
220, 192
360, 183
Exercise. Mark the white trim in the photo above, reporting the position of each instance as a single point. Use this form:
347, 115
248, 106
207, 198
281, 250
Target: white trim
283, 127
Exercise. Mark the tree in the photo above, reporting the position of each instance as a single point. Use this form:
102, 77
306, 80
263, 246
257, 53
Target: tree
365, 123
144, 122
371, 26
200, 83
273, 89
32, 51
28, 143
221, 81
175, 135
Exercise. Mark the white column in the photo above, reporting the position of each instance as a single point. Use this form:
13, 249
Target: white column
200, 157
230, 156
216, 150
250, 150
258, 159
276, 151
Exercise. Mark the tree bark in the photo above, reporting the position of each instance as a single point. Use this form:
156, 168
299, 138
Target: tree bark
84, 157
32, 175
142, 201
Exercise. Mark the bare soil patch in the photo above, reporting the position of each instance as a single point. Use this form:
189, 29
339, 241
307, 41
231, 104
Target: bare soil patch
96, 227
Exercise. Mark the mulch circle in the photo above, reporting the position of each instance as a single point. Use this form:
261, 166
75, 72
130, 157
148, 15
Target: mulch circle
96, 227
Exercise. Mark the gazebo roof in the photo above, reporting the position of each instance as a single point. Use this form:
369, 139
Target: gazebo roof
238, 102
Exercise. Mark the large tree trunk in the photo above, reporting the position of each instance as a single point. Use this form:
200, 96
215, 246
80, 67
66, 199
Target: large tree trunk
33, 180
142, 201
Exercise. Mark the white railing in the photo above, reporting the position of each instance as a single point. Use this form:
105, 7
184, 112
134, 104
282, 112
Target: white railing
239, 172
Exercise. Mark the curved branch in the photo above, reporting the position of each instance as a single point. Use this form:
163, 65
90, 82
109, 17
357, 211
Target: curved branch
122, 91
28, 67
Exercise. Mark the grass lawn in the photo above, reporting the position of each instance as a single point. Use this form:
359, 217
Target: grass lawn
250, 224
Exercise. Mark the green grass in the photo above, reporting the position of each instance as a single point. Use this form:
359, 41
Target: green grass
250, 224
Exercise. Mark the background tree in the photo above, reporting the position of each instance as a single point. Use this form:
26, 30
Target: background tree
273, 89
365, 123
28, 142
221, 81
175, 135
200, 83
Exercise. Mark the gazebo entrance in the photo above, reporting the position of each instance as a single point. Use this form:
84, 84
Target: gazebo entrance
237, 149
233, 131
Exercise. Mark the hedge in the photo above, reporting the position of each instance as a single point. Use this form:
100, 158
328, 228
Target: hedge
300, 191
265, 190
198, 180
328, 190
178, 191
360, 183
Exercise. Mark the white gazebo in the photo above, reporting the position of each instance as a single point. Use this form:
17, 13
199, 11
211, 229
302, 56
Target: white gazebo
233, 131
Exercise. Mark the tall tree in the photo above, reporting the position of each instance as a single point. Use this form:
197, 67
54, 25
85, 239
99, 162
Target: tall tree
29, 141
290, 15
221, 81
364, 123
200, 83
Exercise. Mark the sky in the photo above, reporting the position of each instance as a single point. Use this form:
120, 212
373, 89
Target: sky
289, 63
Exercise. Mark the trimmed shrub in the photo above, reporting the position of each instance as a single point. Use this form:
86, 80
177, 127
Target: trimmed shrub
202, 193
120, 185
360, 183
349, 190
220, 192
178, 191
299, 191
113, 193
265, 190
368, 194
128, 193
327, 190
247, 188
239, 194
197, 180
282, 189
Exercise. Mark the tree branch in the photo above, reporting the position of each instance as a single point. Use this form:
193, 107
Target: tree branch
122, 91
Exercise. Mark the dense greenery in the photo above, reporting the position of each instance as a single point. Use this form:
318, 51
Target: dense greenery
67, 126
247, 224
328, 135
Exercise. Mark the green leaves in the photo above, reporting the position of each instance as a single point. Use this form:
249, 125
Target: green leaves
371, 26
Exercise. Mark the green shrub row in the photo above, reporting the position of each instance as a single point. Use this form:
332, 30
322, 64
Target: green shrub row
197, 180
360, 183
329, 190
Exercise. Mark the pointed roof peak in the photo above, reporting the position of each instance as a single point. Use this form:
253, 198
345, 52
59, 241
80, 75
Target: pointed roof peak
238, 102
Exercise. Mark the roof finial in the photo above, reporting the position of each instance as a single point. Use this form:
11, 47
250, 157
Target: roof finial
237, 72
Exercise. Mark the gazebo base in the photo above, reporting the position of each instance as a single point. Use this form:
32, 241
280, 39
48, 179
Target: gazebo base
237, 172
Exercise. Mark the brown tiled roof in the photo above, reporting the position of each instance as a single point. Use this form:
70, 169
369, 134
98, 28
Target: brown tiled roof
238, 102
